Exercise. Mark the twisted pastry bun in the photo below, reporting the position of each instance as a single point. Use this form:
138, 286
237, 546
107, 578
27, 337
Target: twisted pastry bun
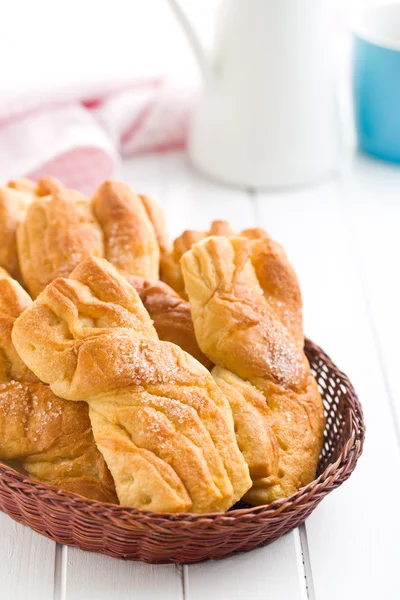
162, 424
15, 198
130, 239
273, 270
50, 438
58, 231
170, 268
261, 366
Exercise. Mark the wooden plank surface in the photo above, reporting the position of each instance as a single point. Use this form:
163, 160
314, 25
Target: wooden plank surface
273, 572
26, 563
95, 577
371, 204
353, 539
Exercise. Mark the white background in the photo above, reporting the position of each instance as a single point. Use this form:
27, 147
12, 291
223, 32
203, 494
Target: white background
60, 43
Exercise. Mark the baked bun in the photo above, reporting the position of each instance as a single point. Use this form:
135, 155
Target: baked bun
170, 267
130, 241
58, 231
162, 424
50, 438
241, 328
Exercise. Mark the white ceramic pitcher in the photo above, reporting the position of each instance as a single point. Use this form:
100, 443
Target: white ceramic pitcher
268, 114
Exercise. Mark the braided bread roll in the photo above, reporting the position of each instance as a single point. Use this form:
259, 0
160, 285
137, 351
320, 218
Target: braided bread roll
50, 438
15, 199
261, 366
130, 240
274, 272
59, 230
159, 419
170, 268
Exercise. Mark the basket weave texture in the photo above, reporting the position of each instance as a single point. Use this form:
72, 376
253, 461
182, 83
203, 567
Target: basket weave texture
186, 538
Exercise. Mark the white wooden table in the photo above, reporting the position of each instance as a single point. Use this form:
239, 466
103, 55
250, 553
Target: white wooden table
343, 238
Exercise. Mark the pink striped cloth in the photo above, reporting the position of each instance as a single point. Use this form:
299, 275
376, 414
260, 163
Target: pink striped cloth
79, 135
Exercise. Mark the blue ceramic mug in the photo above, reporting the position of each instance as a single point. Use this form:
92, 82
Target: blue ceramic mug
376, 81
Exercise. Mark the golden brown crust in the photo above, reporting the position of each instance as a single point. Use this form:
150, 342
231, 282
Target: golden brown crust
253, 418
162, 424
50, 437
239, 330
171, 274
286, 301
170, 268
298, 424
52, 440
228, 302
58, 232
13, 301
157, 219
129, 238
23, 184
170, 314
279, 284
13, 207
254, 233
278, 281
44, 187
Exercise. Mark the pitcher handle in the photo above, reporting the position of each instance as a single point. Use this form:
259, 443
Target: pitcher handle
192, 37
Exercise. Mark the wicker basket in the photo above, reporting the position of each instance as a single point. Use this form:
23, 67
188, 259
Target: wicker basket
185, 538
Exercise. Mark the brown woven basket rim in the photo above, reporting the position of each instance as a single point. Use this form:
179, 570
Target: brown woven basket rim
337, 471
